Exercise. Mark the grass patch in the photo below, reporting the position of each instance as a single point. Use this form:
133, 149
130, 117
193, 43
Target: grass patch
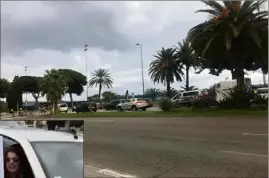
186, 112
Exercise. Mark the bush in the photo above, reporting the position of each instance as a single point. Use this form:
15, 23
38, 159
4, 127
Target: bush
165, 105
260, 102
204, 103
236, 99
3, 107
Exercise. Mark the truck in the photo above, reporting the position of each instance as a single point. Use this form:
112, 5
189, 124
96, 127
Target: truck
227, 85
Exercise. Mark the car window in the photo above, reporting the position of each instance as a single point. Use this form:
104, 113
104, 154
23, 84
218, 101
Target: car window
60, 159
26, 169
194, 93
262, 91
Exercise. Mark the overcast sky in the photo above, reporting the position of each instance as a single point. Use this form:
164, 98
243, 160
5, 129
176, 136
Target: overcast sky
46, 35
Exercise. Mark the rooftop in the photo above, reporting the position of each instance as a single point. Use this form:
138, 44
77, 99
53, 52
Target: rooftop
35, 135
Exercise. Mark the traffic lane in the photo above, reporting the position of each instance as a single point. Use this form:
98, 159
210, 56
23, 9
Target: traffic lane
148, 147
206, 130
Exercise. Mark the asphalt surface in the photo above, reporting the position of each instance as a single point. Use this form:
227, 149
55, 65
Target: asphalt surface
176, 147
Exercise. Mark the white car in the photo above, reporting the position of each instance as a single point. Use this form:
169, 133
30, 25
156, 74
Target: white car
49, 154
133, 104
63, 107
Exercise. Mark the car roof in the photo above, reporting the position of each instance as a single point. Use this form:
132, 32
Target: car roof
36, 135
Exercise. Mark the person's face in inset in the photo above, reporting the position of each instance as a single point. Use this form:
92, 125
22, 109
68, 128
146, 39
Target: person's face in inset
12, 162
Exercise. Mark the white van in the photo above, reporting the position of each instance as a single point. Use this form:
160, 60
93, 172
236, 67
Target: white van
188, 95
263, 92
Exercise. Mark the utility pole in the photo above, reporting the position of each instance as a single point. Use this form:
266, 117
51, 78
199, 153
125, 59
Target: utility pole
87, 88
25, 69
141, 53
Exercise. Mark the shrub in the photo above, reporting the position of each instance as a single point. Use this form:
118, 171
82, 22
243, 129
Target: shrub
236, 99
260, 102
165, 105
204, 103
3, 107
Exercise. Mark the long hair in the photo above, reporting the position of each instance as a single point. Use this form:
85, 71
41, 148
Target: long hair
18, 151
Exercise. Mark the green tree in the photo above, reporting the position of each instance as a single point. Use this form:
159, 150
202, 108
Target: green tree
108, 96
75, 82
30, 84
4, 86
101, 77
235, 38
14, 95
153, 93
54, 86
185, 55
165, 69
191, 88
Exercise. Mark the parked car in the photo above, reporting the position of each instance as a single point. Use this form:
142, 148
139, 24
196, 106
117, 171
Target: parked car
149, 104
133, 104
43, 153
113, 104
85, 107
63, 107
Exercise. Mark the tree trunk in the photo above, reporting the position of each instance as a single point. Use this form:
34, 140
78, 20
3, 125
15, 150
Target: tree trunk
36, 99
54, 105
240, 80
71, 99
187, 78
168, 88
233, 74
100, 89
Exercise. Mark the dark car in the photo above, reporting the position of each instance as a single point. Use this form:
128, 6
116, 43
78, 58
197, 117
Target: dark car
113, 104
84, 107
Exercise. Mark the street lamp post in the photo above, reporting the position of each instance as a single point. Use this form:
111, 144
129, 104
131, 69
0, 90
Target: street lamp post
141, 53
87, 88
25, 69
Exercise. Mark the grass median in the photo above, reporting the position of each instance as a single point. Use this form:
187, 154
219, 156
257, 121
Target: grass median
186, 112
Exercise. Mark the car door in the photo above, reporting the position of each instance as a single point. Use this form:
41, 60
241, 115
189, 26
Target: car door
35, 166
1, 157
128, 104
124, 105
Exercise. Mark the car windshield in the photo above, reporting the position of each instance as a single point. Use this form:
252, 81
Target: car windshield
262, 91
62, 105
60, 159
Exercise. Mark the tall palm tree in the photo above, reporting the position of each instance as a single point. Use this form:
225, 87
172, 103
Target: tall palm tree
153, 93
54, 86
101, 77
235, 38
165, 69
185, 55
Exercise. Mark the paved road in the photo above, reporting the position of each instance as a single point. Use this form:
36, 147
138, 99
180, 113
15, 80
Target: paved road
176, 147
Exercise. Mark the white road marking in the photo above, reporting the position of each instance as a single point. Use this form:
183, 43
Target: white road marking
247, 154
90, 171
115, 173
254, 134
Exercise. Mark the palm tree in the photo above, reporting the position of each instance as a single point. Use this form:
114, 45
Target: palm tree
235, 38
53, 86
102, 78
187, 57
153, 93
165, 69
191, 88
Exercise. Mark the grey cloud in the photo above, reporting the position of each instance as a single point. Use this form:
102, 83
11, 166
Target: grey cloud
72, 25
